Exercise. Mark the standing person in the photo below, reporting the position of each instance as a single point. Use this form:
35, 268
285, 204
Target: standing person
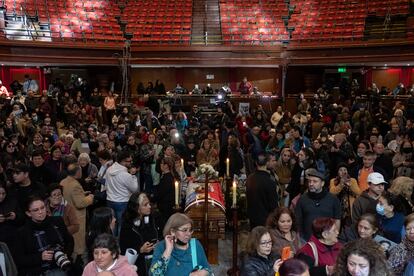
306, 160
39, 240
403, 253
391, 219
102, 221
29, 85
361, 258
294, 267
261, 193
121, 183
173, 255
259, 259
11, 216
367, 201
25, 187
317, 202
110, 107
245, 87
322, 249
57, 206
164, 193
361, 172
283, 170
281, 224
346, 189
141, 230
74, 194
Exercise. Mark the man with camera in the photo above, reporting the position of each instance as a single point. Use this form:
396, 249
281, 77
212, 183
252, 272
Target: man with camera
43, 244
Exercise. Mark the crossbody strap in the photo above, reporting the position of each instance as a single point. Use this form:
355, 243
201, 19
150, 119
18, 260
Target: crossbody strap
315, 252
193, 252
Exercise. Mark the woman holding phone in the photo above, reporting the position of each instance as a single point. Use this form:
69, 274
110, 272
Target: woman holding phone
346, 189
281, 224
178, 253
140, 230
259, 259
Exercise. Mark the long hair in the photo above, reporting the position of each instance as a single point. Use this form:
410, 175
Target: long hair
101, 221
272, 220
367, 249
131, 212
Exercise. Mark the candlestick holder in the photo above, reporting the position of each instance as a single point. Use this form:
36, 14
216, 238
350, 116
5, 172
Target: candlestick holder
234, 270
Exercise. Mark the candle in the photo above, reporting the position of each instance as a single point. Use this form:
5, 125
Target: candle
182, 163
234, 194
176, 192
228, 167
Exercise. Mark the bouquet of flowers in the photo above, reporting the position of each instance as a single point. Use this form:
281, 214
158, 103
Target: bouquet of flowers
206, 169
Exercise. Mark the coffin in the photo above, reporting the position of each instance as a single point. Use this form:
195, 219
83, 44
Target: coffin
194, 208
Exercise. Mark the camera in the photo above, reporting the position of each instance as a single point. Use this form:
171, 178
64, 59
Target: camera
60, 257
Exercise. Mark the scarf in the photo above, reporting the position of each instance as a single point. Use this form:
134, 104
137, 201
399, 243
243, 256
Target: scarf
318, 196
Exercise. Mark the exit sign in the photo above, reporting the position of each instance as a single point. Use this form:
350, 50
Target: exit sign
341, 70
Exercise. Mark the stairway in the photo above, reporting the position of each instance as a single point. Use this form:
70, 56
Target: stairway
206, 27
378, 28
15, 28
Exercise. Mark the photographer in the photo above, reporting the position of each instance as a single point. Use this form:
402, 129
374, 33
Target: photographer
41, 242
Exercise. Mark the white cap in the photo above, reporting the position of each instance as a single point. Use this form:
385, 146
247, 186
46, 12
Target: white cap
376, 178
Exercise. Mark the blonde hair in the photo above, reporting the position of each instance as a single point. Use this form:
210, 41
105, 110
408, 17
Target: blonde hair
401, 185
175, 221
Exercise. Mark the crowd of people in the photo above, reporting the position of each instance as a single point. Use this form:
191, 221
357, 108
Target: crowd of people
85, 183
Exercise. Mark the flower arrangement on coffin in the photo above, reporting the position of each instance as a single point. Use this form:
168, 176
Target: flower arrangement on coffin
205, 169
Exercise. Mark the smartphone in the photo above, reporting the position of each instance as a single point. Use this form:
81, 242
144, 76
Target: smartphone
153, 241
286, 252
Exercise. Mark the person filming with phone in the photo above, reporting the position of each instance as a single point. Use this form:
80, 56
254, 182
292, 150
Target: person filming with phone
178, 253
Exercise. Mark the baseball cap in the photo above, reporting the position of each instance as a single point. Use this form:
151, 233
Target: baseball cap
376, 178
315, 173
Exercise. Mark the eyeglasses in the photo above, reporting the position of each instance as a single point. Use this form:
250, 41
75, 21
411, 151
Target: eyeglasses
10, 146
266, 243
186, 230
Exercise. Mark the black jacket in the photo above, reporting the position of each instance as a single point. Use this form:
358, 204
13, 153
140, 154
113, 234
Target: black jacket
257, 266
262, 197
27, 253
164, 195
135, 234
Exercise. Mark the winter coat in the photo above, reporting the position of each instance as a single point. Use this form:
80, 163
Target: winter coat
134, 235
120, 184
363, 204
121, 268
27, 252
74, 194
258, 266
